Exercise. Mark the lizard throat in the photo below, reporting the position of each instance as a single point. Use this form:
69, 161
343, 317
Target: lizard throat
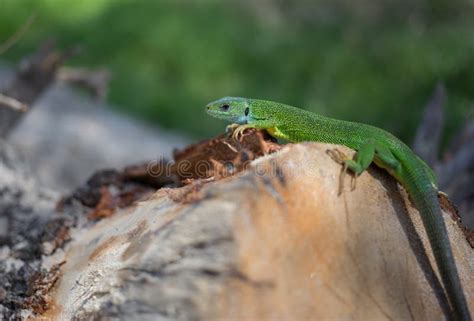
242, 120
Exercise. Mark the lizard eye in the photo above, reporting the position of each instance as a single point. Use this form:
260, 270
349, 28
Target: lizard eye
246, 112
224, 107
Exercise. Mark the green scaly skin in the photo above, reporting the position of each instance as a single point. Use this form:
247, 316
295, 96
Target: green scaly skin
372, 144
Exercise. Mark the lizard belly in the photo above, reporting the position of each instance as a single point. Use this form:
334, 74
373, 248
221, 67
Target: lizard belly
277, 133
389, 169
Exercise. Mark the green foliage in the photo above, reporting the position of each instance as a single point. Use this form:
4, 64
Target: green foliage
169, 58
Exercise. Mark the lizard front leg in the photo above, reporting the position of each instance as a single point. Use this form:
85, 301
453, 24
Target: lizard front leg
229, 129
238, 130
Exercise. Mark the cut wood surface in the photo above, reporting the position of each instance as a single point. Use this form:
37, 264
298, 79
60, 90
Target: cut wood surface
273, 242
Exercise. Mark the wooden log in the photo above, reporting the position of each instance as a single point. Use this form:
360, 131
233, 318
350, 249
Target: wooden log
273, 242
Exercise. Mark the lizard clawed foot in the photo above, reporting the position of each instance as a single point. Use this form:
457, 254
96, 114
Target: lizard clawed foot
238, 130
354, 181
342, 177
342, 159
229, 129
337, 156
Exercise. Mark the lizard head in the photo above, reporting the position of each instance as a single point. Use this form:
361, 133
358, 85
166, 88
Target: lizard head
232, 109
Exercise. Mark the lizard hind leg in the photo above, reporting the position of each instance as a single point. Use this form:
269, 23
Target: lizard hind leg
369, 152
347, 164
361, 161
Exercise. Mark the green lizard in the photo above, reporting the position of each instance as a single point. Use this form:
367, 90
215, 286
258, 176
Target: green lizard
371, 144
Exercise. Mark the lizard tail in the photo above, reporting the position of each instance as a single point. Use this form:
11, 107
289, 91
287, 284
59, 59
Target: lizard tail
424, 196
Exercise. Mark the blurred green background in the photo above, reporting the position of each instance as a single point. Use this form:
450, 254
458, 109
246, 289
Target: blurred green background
370, 61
